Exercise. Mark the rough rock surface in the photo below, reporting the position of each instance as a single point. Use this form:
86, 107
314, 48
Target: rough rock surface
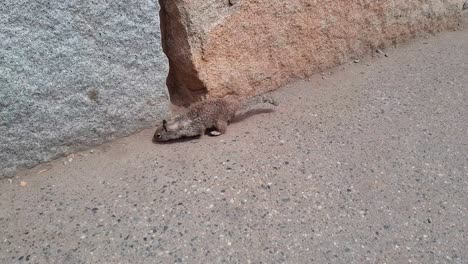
74, 74
248, 47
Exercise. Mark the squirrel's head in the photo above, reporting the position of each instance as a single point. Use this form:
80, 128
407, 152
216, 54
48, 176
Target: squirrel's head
173, 129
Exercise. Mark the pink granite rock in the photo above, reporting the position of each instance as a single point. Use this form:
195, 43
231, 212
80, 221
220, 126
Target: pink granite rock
249, 47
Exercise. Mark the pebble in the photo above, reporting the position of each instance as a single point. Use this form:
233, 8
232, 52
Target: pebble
381, 52
44, 170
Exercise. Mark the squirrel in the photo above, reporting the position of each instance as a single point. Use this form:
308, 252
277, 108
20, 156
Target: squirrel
208, 114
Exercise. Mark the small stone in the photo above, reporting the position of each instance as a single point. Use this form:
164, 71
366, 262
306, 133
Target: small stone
356, 61
42, 171
91, 151
379, 51
23, 184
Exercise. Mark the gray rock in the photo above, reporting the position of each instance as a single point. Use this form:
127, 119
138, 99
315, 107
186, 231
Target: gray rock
74, 74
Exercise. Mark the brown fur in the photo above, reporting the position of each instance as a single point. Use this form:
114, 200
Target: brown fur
209, 114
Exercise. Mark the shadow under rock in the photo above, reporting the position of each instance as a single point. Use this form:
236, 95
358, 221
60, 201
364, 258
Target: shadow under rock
175, 141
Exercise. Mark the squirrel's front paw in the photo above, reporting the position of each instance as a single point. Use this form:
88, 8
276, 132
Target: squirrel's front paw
215, 133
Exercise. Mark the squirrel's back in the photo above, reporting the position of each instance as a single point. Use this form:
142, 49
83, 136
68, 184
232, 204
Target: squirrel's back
211, 110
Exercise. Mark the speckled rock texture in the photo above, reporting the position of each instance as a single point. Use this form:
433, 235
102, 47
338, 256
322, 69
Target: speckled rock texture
249, 47
76, 73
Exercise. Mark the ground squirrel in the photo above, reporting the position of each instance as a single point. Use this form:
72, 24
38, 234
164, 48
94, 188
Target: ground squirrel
208, 114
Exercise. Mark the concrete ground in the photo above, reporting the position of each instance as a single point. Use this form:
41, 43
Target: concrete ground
366, 164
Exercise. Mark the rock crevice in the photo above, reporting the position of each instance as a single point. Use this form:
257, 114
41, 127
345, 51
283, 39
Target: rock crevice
183, 75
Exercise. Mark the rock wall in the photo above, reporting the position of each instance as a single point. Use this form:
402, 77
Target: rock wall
76, 73
248, 47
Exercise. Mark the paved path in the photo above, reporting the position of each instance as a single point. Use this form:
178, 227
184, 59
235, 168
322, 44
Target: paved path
367, 164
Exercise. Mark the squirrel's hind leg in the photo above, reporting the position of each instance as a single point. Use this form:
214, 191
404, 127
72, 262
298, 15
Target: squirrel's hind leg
220, 128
